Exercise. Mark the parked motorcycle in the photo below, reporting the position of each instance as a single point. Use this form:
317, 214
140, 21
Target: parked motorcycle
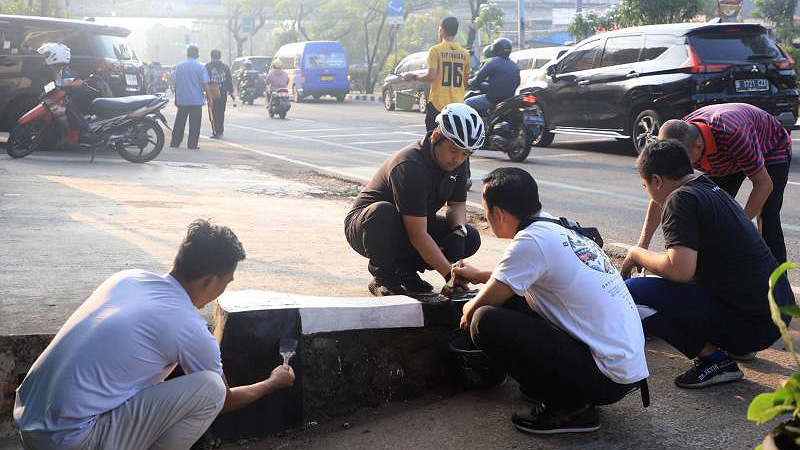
278, 103
512, 125
128, 125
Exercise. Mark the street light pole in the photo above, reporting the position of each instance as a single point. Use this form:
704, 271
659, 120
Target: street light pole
521, 23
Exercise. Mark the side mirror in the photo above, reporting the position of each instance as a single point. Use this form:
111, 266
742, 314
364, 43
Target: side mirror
796, 42
551, 70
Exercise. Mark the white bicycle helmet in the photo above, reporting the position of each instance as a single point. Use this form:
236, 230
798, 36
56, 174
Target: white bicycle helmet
462, 125
55, 53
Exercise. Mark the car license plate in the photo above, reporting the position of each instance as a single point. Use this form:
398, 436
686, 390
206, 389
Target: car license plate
757, 85
533, 119
131, 80
326, 78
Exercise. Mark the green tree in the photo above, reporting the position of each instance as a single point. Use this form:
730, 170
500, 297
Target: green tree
259, 9
779, 13
585, 25
50, 8
649, 12
490, 18
298, 12
362, 26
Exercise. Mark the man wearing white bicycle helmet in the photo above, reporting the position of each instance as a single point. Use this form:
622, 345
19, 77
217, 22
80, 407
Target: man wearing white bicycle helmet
393, 221
56, 58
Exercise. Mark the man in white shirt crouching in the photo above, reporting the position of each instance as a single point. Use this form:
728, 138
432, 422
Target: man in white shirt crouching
576, 341
100, 383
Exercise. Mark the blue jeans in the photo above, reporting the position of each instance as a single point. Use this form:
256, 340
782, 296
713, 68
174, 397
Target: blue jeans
689, 317
479, 102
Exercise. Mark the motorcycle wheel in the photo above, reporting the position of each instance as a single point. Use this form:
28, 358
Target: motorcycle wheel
144, 140
282, 114
26, 138
520, 147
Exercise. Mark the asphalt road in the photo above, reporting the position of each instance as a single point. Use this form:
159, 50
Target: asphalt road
589, 180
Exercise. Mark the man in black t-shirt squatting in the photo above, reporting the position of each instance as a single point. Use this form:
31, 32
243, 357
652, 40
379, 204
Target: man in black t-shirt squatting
393, 221
711, 299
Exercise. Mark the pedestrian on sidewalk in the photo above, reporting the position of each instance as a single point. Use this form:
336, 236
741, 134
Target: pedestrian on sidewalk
554, 313
393, 221
448, 72
710, 296
100, 383
219, 75
191, 80
730, 142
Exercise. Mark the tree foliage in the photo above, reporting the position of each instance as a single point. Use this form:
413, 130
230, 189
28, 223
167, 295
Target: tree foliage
650, 12
490, 18
780, 13
585, 25
259, 9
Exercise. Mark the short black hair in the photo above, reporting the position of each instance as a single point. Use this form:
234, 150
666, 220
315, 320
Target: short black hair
192, 51
449, 25
687, 133
667, 158
512, 189
207, 250
216, 54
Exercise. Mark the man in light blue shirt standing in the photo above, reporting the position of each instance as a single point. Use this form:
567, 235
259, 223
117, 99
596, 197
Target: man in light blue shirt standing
191, 79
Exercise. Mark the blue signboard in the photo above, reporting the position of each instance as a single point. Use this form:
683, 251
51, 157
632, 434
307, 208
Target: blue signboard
395, 10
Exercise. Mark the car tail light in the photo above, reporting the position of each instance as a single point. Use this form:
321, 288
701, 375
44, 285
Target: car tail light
694, 65
787, 63
529, 99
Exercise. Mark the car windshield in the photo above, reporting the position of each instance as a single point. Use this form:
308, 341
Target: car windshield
321, 60
115, 47
261, 64
731, 47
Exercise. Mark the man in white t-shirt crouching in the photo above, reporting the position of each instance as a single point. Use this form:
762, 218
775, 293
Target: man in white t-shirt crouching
578, 340
100, 383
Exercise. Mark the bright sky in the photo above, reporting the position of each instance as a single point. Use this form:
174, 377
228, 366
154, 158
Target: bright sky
139, 26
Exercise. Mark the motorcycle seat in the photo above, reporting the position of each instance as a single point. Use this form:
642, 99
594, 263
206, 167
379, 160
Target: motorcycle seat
111, 106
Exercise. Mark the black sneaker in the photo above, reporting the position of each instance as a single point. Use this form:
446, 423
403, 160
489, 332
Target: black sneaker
540, 420
412, 282
704, 374
381, 287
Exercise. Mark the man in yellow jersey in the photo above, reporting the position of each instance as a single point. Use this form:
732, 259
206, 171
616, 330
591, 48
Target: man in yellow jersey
448, 72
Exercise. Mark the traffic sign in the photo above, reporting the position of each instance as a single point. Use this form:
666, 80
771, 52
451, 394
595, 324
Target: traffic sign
395, 9
248, 24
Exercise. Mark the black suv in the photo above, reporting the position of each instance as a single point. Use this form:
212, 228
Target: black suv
625, 83
95, 48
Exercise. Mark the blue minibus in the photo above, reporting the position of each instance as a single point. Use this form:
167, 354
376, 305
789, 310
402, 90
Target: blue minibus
315, 68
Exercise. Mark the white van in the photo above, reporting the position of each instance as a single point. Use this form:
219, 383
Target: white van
531, 62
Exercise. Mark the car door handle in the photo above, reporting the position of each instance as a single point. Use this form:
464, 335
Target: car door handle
632, 75
583, 82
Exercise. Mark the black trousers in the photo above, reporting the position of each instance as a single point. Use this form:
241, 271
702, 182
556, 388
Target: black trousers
218, 112
771, 229
689, 317
376, 232
195, 115
430, 117
548, 364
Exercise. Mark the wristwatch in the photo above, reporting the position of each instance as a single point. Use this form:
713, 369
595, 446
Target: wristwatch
460, 227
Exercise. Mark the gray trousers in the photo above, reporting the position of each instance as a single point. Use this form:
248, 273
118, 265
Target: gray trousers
168, 416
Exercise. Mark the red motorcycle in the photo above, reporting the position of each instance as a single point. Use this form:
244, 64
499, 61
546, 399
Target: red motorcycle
129, 125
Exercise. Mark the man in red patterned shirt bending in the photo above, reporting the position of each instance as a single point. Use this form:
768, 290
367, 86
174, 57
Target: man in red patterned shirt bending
729, 142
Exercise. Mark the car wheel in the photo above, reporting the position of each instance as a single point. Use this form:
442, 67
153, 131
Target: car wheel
297, 97
422, 102
388, 100
340, 97
644, 129
545, 138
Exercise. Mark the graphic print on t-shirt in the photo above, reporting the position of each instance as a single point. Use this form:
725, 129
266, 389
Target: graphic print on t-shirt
588, 252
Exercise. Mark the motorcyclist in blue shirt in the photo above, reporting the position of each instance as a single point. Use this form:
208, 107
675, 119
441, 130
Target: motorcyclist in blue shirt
500, 78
